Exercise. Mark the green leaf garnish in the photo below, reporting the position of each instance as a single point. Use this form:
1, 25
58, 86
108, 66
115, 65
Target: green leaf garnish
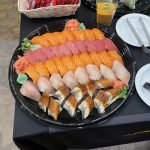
22, 78
82, 26
26, 45
123, 92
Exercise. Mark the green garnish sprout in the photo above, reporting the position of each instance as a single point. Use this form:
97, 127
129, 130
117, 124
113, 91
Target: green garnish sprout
123, 92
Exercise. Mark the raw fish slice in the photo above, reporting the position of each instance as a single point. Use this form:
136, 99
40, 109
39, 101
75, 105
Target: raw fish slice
41, 69
121, 72
78, 34
89, 45
56, 81
29, 56
79, 92
41, 41
99, 45
48, 52
109, 44
61, 67
32, 73
106, 59
115, 56
70, 80
89, 34
103, 83
45, 86
98, 34
51, 66
30, 90
86, 107
64, 51
112, 95
93, 72
80, 45
77, 61
107, 73
60, 37
44, 102
68, 35
62, 93
81, 75
85, 58
54, 108
100, 102
69, 63
95, 58
92, 88
71, 46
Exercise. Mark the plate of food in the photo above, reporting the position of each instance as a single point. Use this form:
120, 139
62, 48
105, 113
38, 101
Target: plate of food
124, 6
71, 74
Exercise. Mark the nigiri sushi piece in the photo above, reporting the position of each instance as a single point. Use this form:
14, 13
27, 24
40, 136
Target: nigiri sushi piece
79, 92
70, 105
44, 102
30, 90
89, 34
81, 75
98, 34
121, 72
56, 81
93, 72
92, 88
54, 108
45, 86
100, 101
77, 61
107, 73
85, 58
78, 34
62, 93
95, 58
112, 95
70, 80
68, 35
86, 106
104, 84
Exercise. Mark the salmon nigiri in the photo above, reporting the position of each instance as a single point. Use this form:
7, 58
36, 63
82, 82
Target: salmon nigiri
98, 34
89, 34
33, 73
68, 35
77, 61
61, 67
107, 73
69, 63
41, 41
81, 75
85, 58
78, 34
95, 58
60, 37
41, 69
51, 66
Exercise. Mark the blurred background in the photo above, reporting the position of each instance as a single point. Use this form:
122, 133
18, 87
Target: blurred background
9, 37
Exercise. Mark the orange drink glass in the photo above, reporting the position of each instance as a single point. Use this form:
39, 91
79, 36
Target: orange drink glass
105, 11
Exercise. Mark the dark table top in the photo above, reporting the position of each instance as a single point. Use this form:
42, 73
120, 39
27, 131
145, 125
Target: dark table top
134, 110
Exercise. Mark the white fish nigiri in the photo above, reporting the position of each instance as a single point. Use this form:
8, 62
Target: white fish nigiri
107, 73
45, 85
56, 81
30, 90
81, 75
93, 72
120, 71
70, 80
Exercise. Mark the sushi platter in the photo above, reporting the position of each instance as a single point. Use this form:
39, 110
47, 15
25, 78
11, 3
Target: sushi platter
124, 6
71, 74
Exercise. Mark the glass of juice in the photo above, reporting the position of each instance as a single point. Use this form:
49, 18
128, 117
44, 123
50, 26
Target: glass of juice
105, 11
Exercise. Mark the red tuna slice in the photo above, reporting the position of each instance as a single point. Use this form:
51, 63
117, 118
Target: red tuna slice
40, 55
48, 52
109, 44
90, 46
74, 49
66, 49
30, 56
61, 50
80, 45
55, 51
99, 45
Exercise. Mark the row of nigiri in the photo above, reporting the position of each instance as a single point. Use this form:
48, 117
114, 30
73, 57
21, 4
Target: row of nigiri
82, 76
98, 94
58, 38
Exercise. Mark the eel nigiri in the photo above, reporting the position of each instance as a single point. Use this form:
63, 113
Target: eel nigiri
100, 101
54, 108
81, 75
107, 73
30, 90
45, 85
92, 87
104, 83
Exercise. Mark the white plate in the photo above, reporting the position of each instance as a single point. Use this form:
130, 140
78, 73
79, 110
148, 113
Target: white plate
143, 76
126, 34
